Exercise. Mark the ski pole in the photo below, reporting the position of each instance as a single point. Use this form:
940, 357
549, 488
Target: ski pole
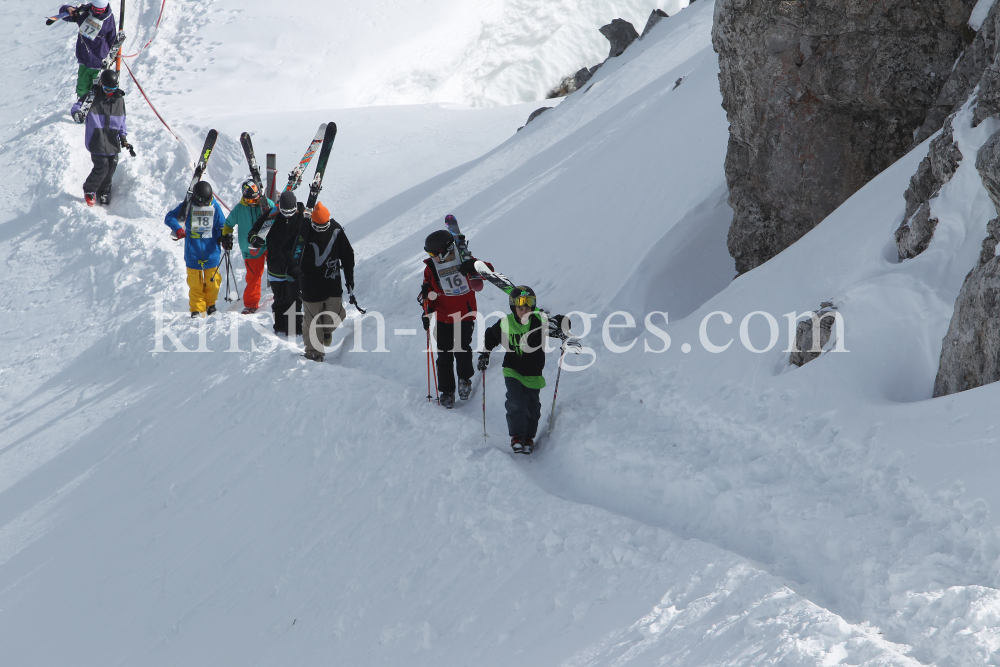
228, 269
353, 301
437, 394
485, 434
428, 358
552, 413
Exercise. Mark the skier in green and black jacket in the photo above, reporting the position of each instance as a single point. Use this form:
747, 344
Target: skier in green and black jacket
522, 334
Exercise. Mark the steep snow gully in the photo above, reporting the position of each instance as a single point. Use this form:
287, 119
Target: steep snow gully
239, 505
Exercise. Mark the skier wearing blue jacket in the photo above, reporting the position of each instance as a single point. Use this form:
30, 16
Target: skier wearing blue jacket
202, 231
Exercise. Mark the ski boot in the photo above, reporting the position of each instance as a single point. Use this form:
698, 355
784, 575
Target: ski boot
194, 314
210, 310
517, 444
464, 389
104, 198
448, 399
90, 198
528, 446
248, 311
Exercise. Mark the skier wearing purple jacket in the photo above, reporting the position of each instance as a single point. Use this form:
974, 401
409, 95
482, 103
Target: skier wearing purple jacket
97, 35
105, 136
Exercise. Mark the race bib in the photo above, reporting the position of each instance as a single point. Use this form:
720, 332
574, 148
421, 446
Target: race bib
91, 27
202, 219
452, 281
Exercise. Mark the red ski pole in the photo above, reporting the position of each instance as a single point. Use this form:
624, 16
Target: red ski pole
427, 356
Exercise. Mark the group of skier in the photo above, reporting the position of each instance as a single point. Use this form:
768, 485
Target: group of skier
308, 293
100, 103
448, 297
303, 250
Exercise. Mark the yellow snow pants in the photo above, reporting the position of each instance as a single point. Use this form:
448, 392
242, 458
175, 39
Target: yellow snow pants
203, 286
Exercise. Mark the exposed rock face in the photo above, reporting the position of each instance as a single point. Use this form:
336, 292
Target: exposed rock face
583, 76
821, 96
655, 17
917, 228
966, 74
988, 103
621, 34
565, 87
970, 354
807, 347
534, 114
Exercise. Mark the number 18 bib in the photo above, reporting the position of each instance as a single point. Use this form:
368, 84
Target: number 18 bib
202, 219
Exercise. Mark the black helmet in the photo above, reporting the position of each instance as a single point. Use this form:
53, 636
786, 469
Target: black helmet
250, 191
109, 78
202, 193
522, 295
438, 242
287, 203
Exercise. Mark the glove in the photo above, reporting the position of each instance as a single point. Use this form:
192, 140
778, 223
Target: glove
468, 266
556, 327
573, 345
226, 241
294, 273
256, 242
426, 321
126, 145
177, 235
484, 361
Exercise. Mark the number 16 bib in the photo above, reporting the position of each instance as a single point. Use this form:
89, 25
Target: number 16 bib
452, 281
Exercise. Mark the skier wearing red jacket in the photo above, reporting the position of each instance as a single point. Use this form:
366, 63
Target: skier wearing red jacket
447, 293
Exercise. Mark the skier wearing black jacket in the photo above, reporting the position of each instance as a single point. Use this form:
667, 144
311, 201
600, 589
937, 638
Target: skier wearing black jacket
522, 334
279, 247
326, 251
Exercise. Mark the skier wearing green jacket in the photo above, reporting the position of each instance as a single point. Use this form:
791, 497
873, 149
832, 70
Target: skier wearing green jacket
242, 218
522, 334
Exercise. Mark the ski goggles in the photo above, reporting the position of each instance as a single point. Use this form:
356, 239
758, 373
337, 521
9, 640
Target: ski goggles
523, 300
109, 89
444, 252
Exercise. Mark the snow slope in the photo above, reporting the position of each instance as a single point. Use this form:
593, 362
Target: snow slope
242, 506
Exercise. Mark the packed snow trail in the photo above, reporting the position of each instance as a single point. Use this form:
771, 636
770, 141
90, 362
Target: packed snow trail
252, 508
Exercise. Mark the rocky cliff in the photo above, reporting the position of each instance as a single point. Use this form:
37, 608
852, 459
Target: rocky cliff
821, 96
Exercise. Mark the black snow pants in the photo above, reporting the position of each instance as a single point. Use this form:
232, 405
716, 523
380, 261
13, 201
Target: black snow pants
523, 409
100, 177
450, 354
286, 295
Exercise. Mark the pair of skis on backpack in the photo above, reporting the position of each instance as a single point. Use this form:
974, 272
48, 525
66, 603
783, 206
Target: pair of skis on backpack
323, 143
